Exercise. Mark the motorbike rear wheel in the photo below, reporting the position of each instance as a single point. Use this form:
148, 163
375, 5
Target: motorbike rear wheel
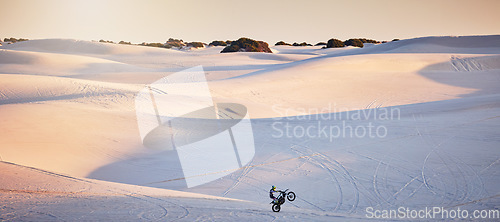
276, 207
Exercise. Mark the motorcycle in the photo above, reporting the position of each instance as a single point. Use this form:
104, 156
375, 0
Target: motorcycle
280, 200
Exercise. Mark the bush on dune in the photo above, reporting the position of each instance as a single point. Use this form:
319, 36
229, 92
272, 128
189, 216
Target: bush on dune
354, 42
357, 42
301, 44
105, 41
14, 40
218, 43
282, 43
178, 43
247, 45
334, 43
196, 44
161, 45
320, 43
125, 43
231, 48
363, 40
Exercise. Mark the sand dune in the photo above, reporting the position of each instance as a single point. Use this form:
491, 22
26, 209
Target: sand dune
70, 46
52, 64
354, 82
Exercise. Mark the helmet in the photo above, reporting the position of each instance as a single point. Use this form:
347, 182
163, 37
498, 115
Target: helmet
274, 188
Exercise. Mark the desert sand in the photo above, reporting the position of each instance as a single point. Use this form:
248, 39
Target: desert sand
70, 145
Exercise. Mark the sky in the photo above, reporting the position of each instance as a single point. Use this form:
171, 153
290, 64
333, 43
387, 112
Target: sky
309, 21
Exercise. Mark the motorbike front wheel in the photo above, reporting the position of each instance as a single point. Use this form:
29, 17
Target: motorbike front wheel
290, 196
276, 207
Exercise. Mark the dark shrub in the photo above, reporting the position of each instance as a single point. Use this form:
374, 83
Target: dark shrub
231, 48
105, 41
301, 44
14, 40
126, 43
281, 43
363, 40
247, 45
354, 42
174, 43
334, 43
229, 42
218, 43
196, 44
161, 45
158, 45
394, 40
320, 43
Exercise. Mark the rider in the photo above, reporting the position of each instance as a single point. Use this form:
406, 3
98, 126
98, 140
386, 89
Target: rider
272, 191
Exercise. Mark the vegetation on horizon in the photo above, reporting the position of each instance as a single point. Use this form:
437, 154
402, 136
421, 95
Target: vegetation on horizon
105, 41
195, 44
218, 43
301, 44
334, 43
282, 43
369, 41
354, 42
240, 45
294, 44
247, 45
14, 40
175, 43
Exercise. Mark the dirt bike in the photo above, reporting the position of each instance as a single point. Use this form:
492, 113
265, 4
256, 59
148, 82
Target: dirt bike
281, 199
